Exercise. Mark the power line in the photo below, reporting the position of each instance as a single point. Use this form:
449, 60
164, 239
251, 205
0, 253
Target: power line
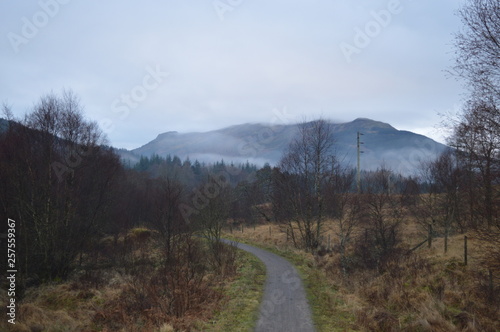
358, 178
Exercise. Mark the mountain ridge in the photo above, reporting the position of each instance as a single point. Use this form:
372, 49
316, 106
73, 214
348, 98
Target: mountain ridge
260, 143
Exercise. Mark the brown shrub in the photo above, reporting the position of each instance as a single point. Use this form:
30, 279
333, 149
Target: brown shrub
169, 293
144, 290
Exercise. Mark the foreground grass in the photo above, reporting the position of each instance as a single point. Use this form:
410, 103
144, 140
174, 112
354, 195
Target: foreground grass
71, 306
428, 290
328, 309
244, 293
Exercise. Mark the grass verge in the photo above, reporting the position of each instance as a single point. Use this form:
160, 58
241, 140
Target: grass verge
240, 311
326, 304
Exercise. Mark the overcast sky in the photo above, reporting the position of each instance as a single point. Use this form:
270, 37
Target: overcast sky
144, 68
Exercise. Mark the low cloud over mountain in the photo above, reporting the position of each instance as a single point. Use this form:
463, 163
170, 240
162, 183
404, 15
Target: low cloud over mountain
402, 151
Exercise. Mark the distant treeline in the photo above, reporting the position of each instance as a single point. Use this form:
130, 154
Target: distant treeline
188, 172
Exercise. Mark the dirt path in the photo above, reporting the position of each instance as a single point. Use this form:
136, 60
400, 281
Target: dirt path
284, 305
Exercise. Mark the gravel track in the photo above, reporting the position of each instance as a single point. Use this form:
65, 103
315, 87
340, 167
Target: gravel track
284, 305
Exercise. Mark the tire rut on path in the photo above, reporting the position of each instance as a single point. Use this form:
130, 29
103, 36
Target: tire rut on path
284, 305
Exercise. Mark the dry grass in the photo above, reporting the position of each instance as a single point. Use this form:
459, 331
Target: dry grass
426, 290
144, 297
55, 308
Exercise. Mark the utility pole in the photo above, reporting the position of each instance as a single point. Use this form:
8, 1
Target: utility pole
358, 178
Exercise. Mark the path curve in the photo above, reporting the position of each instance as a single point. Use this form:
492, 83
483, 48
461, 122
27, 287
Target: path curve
284, 305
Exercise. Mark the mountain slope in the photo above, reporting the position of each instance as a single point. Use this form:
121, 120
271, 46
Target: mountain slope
257, 143
399, 150
382, 144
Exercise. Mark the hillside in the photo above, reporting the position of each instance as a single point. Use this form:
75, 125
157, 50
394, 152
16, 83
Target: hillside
260, 143
400, 150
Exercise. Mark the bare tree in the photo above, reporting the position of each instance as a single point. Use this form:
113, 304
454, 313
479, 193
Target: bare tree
477, 138
383, 217
306, 168
427, 204
7, 111
476, 134
55, 222
478, 47
342, 205
213, 199
166, 195
446, 176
